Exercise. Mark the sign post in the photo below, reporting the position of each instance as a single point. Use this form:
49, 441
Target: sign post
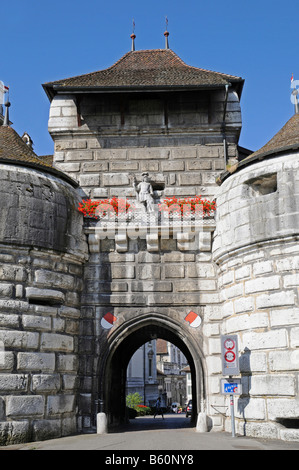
230, 367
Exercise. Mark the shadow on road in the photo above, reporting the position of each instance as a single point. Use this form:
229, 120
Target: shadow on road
149, 423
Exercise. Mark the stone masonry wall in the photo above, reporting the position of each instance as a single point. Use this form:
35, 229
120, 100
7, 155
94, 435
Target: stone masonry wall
170, 280
102, 153
39, 326
256, 250
42, 250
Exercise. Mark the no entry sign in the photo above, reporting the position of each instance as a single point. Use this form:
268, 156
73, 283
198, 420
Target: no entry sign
230, 355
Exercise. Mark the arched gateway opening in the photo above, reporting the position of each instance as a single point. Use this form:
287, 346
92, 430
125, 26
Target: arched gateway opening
123, 343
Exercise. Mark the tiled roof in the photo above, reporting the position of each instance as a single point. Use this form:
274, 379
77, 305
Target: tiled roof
14, 150
286, 139
47, 159
147, 68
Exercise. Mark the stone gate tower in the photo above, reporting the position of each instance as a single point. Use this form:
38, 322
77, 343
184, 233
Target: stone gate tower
148, 113
78, 296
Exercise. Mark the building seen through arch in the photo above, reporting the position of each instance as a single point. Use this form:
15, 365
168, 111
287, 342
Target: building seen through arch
157, 369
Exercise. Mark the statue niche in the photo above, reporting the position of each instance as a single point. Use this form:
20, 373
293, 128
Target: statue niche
144, 193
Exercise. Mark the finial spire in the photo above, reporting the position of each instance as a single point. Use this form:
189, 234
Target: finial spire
166, 34
133, 36
6, 117
294, 97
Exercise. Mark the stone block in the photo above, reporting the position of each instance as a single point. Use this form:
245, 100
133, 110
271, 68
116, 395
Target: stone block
12, 273
19, 339
115, 179
291, 280
68, 167
253, 409
67, 363
270, 385
69, 312
89, 180
246, 322
171, 271
59, 404
284, 360
111, 154
148, 153
183, 153
45, 382
201, 270
123, 166
25, 405
253, 362
44, 294
268, 340
46, 429
79, 155
283, 317
36, 322
278, 299
233, 291
13, 383
9, 320
56, 342
100, 193
149, 271
151, 286
189, 179
262, 284
242, 273
97, 166
14, 432
6, 289
29, 361
294, 337
6, 360
173, 165
282, 408
262, 267
122, 271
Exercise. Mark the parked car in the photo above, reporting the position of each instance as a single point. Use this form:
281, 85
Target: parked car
189, 409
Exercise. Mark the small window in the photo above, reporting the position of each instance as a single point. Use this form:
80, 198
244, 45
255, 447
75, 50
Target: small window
262, 185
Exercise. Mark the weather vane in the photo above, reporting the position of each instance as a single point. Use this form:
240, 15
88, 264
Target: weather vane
133, 36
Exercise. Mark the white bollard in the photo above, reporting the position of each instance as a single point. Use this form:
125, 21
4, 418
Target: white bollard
101, 423
202, 423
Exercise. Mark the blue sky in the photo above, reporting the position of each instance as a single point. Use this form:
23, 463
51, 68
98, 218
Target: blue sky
45, 41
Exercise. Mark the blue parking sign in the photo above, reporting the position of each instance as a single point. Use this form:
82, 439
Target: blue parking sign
231, 387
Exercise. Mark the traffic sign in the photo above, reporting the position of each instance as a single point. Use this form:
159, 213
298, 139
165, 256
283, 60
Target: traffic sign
230, 355
231, 386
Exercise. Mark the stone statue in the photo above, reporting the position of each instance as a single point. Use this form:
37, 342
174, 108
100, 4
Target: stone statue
145, 192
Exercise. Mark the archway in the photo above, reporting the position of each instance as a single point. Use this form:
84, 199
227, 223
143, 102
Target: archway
122, 344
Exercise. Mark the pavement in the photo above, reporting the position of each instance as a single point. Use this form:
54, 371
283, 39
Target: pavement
149, 435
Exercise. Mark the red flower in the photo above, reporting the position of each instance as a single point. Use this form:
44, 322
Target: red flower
188, 205
97, 209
